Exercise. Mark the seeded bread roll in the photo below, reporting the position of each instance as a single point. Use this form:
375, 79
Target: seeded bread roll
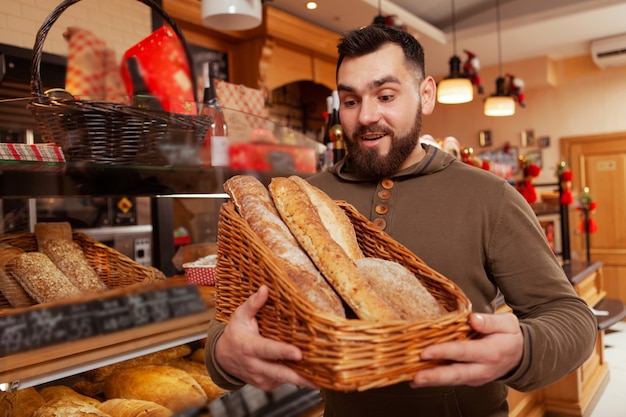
124, 407
9, 286
302, 218
71, 260
40, 278
256, 206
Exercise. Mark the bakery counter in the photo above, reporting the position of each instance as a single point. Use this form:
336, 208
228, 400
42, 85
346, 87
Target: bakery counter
22, 366
577, 393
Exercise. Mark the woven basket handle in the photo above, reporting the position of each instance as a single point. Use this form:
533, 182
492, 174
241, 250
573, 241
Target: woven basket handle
36, 86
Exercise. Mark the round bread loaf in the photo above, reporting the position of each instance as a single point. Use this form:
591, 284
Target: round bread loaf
21, 403
124, 407
399, 289
69, 407
170, 387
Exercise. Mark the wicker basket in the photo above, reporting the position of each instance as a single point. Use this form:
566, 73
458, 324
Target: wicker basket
105, 132
113, 268
339, 354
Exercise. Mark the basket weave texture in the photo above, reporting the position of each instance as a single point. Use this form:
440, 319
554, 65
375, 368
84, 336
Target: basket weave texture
339, 354
111, 133
113, 268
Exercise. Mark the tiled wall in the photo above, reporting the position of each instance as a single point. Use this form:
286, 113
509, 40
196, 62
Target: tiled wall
120, 23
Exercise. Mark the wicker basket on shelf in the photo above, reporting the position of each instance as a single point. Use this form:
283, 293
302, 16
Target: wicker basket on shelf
340, 354
113, 268
106, 132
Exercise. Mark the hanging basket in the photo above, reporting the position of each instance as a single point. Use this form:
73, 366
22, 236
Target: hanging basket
107, 132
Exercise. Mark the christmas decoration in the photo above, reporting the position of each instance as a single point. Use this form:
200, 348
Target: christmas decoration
467, 156
470, 70
587, 206
529, 172
515, 88
565, 180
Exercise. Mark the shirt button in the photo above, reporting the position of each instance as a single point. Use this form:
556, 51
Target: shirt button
387, 183
380, 223
384, 194
382, 209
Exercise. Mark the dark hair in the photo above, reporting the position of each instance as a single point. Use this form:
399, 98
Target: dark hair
365, 40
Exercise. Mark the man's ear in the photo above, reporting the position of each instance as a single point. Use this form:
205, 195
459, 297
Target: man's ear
428, 93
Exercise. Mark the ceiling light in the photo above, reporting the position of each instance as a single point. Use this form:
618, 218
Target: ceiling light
232, 14
311, 5
500, 103
455, 88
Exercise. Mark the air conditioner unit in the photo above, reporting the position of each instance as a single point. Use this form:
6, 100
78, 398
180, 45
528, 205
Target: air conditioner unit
609, 52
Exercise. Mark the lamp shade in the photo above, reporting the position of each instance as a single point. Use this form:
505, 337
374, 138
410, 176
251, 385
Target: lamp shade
455, 91
232, 14
500, 106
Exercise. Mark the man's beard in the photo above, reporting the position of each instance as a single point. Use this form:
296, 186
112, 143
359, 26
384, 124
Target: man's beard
368, 162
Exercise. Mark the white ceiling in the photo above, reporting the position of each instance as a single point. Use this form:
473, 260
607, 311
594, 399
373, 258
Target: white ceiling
529, 28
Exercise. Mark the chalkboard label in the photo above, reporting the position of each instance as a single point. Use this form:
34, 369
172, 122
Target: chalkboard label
14, 334
46, 327
151, 307
79, 321
114, 315
185, 300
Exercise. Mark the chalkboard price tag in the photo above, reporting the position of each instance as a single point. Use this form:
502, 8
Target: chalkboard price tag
114, 315
185, 300
150, 307
47, 327
14, 334
80, 320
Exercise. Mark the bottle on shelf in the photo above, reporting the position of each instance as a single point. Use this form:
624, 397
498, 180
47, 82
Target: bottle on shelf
215, 148
336, 131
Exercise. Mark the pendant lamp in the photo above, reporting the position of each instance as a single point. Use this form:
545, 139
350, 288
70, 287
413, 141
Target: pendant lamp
500, 103
455, 88
232, 14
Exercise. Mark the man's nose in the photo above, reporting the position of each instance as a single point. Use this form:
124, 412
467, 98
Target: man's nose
368, 113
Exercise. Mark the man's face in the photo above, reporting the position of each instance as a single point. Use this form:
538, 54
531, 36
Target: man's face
380, 110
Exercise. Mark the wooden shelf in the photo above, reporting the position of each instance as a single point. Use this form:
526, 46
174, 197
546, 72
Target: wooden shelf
35, 367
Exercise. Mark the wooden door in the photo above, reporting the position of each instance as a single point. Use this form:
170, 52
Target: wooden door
599, 162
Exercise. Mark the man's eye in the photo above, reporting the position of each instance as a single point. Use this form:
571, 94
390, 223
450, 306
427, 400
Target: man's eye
385, 98
349, 103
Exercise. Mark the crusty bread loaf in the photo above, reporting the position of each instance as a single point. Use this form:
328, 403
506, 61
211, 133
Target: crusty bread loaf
9, 286
200, 373
69, 407
124, 407
71, 260
171, 387
20, 403
333, 217
40, 278
57, 392
300, 215
53, 231
155, 358
399, 288
256, 206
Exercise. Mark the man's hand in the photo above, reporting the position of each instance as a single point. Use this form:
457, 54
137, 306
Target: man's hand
244, 353
475, 362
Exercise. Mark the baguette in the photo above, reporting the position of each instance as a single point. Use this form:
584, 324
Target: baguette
71, 260
333, 217
256, 206
302, 218
40, 278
